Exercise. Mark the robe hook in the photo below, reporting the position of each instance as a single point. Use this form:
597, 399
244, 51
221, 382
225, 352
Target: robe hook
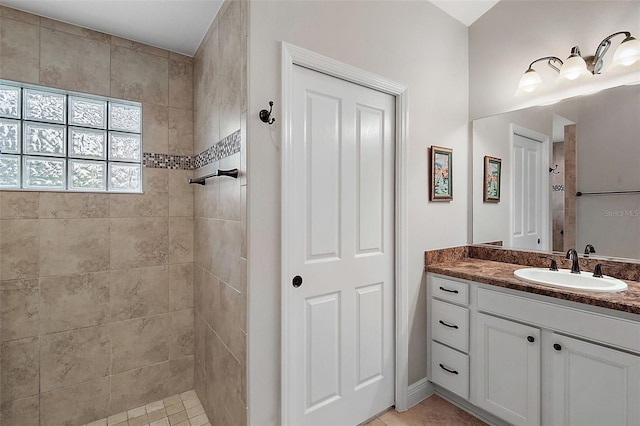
265, 115
554, 170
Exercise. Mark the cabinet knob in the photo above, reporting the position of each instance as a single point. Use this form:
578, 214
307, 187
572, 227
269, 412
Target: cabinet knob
531, 339
557, 347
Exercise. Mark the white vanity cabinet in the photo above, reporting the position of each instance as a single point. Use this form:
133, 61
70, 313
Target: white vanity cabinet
508, 376
533, 360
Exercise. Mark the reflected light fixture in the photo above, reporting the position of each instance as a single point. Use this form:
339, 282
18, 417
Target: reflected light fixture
577, 69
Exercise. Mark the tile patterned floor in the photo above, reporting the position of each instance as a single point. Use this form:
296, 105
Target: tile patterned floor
184, 409
433, 411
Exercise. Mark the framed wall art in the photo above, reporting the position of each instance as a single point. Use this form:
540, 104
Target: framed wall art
441, 179
492, 177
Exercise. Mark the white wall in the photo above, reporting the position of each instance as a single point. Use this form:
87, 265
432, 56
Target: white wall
412, 43
504, 41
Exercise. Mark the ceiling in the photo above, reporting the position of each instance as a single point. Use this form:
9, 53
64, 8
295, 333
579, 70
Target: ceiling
176, 25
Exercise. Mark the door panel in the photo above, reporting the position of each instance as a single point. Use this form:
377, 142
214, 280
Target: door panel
526, 232
341, 319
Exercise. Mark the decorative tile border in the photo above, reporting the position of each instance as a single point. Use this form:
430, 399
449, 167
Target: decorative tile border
226, 147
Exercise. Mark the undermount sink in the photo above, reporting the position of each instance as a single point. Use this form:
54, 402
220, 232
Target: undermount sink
564, 278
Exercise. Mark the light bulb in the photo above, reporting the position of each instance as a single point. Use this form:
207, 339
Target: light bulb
626, 55
529, 82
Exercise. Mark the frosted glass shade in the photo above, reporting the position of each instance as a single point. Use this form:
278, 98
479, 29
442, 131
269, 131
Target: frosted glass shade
626, 56
529, 82
574, 69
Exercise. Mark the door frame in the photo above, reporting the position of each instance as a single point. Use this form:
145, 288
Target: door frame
544, 139
293, 55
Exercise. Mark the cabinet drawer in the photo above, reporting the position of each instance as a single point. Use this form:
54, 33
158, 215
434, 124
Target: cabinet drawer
453, 291
450, 325
450, 369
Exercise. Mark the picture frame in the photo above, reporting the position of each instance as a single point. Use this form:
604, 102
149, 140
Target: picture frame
441, 179
492, 179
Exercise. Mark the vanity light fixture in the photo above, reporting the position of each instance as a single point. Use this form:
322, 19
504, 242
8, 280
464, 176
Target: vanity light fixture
578, 69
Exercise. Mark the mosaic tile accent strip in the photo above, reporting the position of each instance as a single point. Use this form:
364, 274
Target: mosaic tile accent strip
228, 146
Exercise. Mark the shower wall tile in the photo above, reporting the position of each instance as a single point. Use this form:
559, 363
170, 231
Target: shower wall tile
139, 242
180, 240
230, 58
155, 181
230, 197
73, 246
19, 205
181, 286
139, 76
73, 357
139, 342
84, 67
19, 362
21, 412
181, 82
19, 51
19, 249
139, 205
199, 333
138, 293
181, 193
181, 339
180, 131
139, 47
74, 301
19, 309
61, 205
155, 128
139, 386
75, 405
181, 370
18, 15
75, 30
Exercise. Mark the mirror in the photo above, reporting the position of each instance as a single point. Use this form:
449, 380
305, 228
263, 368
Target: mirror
588, 144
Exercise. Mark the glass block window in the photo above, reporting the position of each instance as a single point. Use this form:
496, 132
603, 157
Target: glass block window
62, 141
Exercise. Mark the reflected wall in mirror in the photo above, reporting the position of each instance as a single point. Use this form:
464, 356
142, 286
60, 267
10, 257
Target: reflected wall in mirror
589, 144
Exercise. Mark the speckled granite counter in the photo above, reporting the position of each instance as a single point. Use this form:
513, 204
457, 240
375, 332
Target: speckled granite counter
456, 262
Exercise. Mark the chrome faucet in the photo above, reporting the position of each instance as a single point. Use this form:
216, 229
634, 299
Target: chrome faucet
572, 255
589, 249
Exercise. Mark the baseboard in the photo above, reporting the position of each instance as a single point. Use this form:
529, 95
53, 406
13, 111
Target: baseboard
418, 392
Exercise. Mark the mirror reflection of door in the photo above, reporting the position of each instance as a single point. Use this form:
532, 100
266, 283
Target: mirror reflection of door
557, 174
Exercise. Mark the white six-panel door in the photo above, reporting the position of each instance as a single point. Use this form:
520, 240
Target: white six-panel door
341, 316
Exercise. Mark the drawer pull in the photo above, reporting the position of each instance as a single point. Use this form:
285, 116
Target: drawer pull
447, 370
449, 291
448, 325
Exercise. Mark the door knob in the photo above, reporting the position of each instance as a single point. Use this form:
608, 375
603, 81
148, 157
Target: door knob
297, 281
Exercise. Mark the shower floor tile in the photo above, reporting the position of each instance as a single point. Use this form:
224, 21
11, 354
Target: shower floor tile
184, 409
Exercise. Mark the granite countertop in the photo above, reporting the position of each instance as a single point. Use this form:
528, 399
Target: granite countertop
501, 274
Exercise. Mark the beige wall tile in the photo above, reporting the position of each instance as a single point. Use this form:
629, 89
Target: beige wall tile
230, 58
227, 261
199, 333
73, 246
181, 374
18, 15
210, 289
60, 205
74, 63
180, 286
74, 30
214, 376
19, 51
230, 197
19, 309
139, 342
199, 384
230, 319
203, 242
181, 193
155, 128
75, 405
21, 412
73, 301
181, 83
139, 76
243, 221
180, 240
198, 288
137, 293
73, 357
181, 343
19, 205
140, 386
139, 205
180, 131
155, 180
19, 242
19, 363
139, 242
206, 98
207, 198
139, 47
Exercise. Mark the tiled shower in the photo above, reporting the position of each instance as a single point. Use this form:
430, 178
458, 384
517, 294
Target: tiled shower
97, 312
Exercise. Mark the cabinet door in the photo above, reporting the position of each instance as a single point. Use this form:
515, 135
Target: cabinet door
509, 370
593, 384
